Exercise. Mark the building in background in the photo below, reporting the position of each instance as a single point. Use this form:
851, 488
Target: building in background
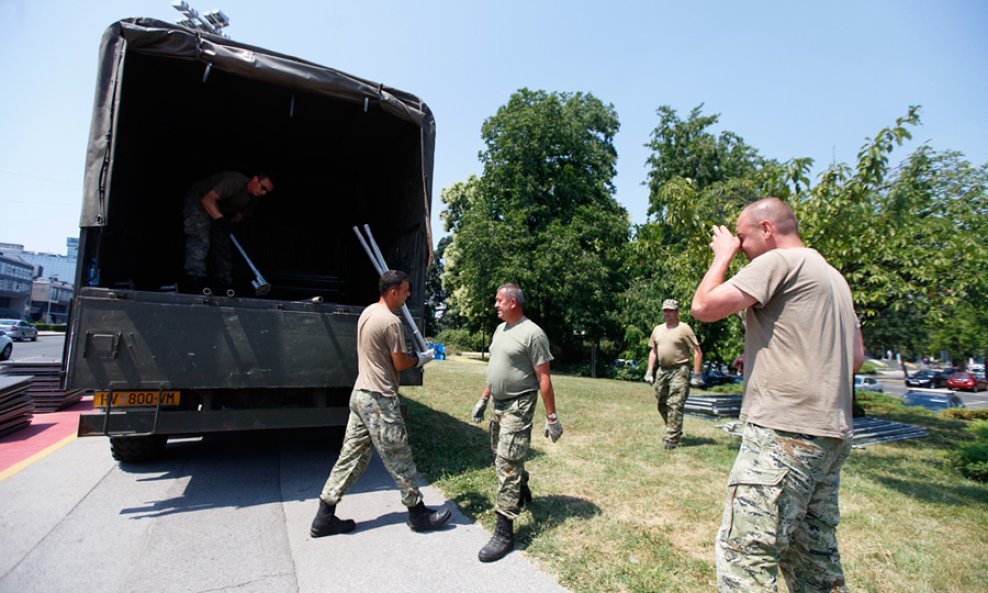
48, 265
15, 285
50, 300
44, 293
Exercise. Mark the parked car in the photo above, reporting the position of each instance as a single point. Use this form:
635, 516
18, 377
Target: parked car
934, 400
864, 383
927, 378
6, 346
19, 330
967, 381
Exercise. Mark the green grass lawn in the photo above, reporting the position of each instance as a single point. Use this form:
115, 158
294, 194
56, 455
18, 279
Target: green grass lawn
614, 511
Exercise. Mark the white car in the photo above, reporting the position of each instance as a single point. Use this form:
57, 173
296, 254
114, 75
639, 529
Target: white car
865, 383
19, 330
6, 346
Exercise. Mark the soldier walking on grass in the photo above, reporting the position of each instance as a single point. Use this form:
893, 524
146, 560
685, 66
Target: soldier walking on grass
669, 347
802, 347
518, 371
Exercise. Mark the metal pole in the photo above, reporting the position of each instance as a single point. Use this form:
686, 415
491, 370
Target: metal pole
377, 260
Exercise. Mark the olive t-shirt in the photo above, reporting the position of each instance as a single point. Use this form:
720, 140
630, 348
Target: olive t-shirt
515, 352
232, 190
672, 346
379, 334
798, 344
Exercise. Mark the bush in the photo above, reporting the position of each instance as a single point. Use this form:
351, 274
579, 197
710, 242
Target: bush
868, 368
461, 339
972, 460
55, 327
966, 414
626, 373
727, 388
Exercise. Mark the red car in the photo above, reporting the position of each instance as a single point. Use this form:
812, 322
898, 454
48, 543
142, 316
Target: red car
968, 381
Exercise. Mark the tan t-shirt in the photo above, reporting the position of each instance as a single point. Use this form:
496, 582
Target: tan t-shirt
798, 344
515, 352
379, 334
672, 346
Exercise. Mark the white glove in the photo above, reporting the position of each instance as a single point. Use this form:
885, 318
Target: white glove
478, 410
425, 357
696, 382
649, 378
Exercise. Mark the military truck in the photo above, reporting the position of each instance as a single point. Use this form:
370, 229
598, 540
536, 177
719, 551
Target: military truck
174, 106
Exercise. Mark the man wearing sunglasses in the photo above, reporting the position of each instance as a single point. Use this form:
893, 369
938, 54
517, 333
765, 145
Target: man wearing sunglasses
211, 208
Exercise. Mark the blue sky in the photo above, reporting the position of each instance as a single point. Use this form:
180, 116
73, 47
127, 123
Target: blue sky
809, 79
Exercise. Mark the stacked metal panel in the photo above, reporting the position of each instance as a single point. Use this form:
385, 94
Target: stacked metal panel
45, 387
867, 430
716, 405
870, 431
16, 406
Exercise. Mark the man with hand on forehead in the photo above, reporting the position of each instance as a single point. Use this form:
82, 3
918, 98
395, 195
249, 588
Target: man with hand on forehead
802, 347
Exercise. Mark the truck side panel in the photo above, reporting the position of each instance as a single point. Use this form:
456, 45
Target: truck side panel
182, 341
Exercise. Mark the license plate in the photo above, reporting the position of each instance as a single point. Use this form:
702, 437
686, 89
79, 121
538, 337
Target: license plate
137, 398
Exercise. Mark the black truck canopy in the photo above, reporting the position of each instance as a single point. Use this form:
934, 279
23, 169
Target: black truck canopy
174, 106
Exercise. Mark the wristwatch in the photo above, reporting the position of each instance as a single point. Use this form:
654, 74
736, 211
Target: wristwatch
553, 417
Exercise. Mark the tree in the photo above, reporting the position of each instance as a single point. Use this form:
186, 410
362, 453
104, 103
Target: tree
542, 215
696, 179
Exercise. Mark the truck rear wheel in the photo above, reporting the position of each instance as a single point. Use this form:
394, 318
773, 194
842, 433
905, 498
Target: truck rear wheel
142, 448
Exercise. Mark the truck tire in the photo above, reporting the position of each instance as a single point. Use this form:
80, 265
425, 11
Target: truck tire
142, 448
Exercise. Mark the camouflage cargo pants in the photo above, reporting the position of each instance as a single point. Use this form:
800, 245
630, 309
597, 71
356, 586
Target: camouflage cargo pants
203, 243
511, 435
672, 387
781, 514
375, 420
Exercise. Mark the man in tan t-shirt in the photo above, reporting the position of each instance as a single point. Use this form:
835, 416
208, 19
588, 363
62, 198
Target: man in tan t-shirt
669, 348
375, 415
802, 348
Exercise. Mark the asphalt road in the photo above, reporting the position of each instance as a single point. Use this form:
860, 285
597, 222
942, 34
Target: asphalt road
47, 346
896, 386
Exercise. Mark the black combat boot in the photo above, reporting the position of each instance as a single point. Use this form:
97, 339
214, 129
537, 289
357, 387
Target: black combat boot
327, 523
502, 542
422, 518
524, 496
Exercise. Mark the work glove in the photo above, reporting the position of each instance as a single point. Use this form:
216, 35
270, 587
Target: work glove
553, 429
223, 225
478, 411
696, 381
649, 377
425, 357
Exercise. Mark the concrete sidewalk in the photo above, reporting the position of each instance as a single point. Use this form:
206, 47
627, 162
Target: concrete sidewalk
383, 554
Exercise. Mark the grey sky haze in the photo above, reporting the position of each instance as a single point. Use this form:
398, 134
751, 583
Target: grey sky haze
794, 79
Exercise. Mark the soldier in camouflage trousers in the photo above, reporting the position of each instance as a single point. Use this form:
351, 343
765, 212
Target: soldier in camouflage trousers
669, 349
376, 420
802, 346
517, 373
511, 436
782, 504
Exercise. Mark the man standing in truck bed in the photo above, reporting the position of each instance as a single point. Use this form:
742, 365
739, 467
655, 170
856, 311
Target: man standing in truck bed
375, 415
211, 207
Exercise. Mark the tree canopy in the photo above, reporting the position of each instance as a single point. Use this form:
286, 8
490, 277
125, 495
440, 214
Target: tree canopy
910, 239
542, 215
